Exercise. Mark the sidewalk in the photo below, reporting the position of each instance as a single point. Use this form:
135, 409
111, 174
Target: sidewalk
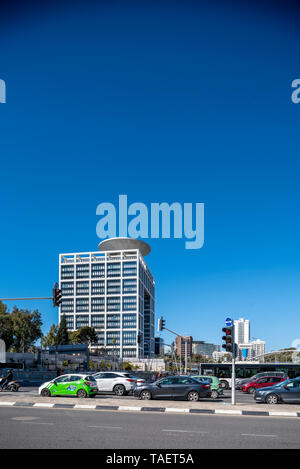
118, 404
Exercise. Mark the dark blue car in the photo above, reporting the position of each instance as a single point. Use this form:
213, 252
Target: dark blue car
172, 387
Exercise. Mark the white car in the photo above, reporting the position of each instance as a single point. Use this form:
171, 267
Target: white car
120, 383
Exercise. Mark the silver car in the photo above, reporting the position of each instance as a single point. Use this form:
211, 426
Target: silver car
120, 383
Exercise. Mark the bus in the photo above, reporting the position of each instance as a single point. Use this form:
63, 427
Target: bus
246, 370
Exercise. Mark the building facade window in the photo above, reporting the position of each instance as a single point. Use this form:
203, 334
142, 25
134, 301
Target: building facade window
98, 270
129, 338
129, 269
97, 321
129, 286
113, 269
82, 288
98, 287
113, 287
113, 321
129, 303
82, 271
82, 304
129, 321
113, 303
67, 288
97, 305
82, 321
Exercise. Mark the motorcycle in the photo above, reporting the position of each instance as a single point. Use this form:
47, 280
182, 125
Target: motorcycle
13, 386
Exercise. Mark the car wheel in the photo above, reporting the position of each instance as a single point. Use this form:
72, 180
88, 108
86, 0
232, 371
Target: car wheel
272, 399
81, 393
214, 394
224, 384
119, 390
250, 390
45, 392
145, 395
193, 396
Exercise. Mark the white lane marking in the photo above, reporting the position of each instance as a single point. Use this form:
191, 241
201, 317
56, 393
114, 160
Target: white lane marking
255, 434
39, 423
182, 431
104, 426
42, 404
6, 403
235, 412
286, 414
175, 409
82, 406
123, 407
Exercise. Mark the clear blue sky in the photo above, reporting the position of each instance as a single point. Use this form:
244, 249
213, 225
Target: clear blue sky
164, 102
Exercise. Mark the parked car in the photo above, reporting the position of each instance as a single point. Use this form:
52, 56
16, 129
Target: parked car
184, 387
215, 385
285, 392
80, 385
120, 383
261, 383
240, 382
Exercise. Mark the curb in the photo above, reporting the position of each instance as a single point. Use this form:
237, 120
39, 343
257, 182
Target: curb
171, 410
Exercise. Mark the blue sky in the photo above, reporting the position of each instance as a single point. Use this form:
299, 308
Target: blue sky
189, 102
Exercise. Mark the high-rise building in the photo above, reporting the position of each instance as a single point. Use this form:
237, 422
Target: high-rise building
113, 291
242, 331
199, 347
180, 346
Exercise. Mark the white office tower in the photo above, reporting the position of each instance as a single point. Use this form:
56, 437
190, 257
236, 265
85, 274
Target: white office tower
258, 348
242, 331
113, 291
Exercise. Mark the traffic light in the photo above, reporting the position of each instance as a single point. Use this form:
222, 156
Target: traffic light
161, 324
139, 338
56, 295
228, 338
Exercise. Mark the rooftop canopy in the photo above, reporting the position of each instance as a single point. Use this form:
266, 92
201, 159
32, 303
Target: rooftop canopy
124, 244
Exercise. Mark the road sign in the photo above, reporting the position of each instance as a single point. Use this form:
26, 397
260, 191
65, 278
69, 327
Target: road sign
228, 322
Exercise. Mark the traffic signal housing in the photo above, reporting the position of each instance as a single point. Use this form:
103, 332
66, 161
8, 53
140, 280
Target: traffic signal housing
228, 339
56, 295
161, 324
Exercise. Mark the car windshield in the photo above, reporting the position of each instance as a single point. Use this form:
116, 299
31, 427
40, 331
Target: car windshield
90, 378
282, 383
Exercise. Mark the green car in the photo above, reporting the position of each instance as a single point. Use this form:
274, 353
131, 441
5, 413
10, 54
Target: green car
215, 385
79, 385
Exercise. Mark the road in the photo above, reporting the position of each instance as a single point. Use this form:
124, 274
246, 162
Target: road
47, 429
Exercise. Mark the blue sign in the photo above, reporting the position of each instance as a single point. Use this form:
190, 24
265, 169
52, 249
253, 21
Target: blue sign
228, 322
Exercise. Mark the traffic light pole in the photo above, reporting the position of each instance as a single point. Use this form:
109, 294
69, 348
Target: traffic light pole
233, 401
185, 347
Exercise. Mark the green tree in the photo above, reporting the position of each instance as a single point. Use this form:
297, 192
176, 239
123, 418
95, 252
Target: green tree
62, 336
6, 326
26, 328
84, 335
50, 338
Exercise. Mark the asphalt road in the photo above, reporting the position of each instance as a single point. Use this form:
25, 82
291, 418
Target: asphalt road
73, 429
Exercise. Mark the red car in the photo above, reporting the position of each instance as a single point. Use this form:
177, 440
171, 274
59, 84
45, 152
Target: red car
262, 383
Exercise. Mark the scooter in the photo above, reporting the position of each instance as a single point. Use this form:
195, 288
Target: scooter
13, 386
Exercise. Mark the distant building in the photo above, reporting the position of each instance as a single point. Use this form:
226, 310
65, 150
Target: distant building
159, 345
180, 346
251, 350
242, 331
199, 347
219, 356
